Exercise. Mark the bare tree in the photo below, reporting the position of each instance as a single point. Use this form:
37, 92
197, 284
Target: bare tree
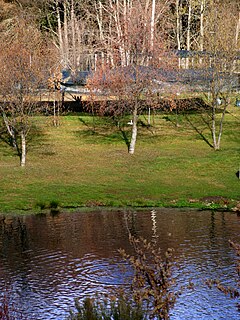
223, 52
24, 61
130, 87
117, 18
190, 19
137, 55
73, 26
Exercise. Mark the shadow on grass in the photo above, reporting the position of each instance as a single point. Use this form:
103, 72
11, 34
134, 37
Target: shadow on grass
195, 126
5, 137
203, 122
197, 107
85, 123
125, 138
103, 137
231, 130
36, 140
116, 130
103, 130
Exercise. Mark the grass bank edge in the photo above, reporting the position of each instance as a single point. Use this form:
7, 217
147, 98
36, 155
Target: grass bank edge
221, 204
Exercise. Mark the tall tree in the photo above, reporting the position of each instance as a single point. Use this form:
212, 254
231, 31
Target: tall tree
190, 18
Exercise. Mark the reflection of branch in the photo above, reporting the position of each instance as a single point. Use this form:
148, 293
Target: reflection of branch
154, 225
233, 292
130, 217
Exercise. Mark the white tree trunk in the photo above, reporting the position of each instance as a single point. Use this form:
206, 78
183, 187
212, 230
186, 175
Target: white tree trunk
134, 131
60, 37
202, 9
178, 29
99, 16
65, 30
54, 109
237, 29
10, 130
152, 25
116, 13
23, 151
214, 134
189, 30
73, 29
226, 103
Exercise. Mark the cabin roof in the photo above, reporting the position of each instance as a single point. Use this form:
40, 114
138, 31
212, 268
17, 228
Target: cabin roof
185, 79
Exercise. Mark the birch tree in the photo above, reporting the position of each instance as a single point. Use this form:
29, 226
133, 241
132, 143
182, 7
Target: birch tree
138, 50
116, 20
71, 32
24, 61
223, 49
190, 18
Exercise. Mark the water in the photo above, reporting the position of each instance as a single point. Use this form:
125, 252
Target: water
47, 261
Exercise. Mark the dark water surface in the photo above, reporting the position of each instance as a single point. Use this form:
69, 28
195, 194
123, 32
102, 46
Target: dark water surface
47, 261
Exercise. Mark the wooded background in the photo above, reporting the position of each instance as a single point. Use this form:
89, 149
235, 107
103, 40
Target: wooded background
119, 32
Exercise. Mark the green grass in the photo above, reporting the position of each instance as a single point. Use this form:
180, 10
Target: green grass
78, 165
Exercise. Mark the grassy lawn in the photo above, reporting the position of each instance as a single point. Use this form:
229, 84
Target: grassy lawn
75, 165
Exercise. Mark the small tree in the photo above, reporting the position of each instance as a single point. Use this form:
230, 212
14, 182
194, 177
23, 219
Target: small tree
222, 44
130, 89
137, 53
24, 60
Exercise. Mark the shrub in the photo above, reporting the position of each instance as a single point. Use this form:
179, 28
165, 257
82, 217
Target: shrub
152, 282
107, 309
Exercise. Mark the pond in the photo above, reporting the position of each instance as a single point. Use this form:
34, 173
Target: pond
46, 261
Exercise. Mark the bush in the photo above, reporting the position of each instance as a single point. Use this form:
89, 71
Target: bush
152, 282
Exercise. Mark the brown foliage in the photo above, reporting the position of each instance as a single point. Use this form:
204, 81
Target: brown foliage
152, 277
25, 61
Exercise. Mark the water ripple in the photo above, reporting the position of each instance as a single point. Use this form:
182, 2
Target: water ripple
47, 262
